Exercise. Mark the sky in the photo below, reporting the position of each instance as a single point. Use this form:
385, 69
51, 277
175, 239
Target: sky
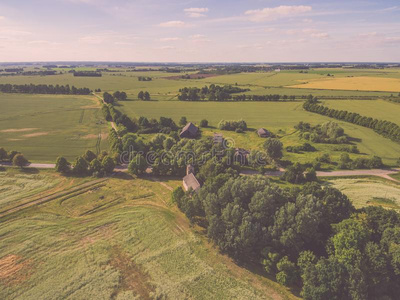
200, 30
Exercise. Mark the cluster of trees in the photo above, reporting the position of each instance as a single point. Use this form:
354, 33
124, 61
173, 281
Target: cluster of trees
272, 97
311, 238
109, 99
143, 78
300, 174
15, 157
329, 132
306, 147
238, 126
43, 89
346, 162
210, 93
145, 96
382, 127
88, 164
86, 73
347, 148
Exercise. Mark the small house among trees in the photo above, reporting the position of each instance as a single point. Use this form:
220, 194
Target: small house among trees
190, 181
264, 133
190, 131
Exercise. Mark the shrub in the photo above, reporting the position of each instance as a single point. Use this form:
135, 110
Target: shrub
19, 160
204, 123
62, 165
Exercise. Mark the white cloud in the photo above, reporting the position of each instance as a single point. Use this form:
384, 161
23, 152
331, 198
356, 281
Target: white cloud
167, 48
172, 24
92, 39
199, 38
320, 35
170, 39
196, 12
268, 13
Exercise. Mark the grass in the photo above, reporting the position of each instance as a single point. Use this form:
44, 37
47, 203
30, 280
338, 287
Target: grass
377, 84
44, 127
369, 191
280, 118
92, 246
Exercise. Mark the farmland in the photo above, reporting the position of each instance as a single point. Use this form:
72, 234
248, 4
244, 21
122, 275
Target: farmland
44, 127
122, 238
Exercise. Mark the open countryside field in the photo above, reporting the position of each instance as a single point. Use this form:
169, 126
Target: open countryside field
44, 127
280, 118
353, 84
122, 239
369, 191
379, 109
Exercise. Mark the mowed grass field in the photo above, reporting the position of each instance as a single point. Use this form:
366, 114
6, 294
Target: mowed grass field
377, 84
44, 127
121, 239
279, 118
369, 191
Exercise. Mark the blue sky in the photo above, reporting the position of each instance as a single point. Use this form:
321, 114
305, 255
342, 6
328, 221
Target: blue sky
200, 31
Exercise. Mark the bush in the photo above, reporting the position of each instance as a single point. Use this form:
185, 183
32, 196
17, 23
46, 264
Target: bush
62, 165
19, 160
3, 154
204, 123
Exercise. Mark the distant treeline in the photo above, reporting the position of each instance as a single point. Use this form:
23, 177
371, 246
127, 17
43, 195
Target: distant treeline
211, 93
12, 70
43, 89
86, 74
143, 78
386, 128
271, 97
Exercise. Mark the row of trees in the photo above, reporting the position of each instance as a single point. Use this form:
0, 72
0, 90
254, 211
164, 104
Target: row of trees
43, 89
86, 73
110, 99
88, 164
311, 237
385, 128
145, 96
15, 157
210, 93
271, 97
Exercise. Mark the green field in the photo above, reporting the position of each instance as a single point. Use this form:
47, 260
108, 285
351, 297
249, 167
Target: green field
369, 191
43, 127
121, 239
280, 118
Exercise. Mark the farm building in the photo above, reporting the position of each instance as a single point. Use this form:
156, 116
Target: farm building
218, 138
241, 156
264, 133
190, 181
190, 131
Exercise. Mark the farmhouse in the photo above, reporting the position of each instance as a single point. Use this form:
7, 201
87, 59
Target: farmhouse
190, 181
264, 133
190, 131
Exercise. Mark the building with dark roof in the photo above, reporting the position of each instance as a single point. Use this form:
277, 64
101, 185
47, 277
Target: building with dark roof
190, 131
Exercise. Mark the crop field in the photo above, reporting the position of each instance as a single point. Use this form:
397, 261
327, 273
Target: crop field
121, 239
44, 127
280, 118
379, 109
369, 191
353, 84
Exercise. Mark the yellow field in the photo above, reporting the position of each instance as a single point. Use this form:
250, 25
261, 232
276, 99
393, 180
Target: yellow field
376, 84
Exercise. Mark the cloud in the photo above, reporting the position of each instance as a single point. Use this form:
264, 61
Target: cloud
393, 8
2, 18
196, 12
167, 48
320, 35
170, 39
199, 38
268, 13
172, 24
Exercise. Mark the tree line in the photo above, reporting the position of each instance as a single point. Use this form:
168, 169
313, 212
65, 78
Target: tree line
85, 73
385, 128
210, 93
43, 89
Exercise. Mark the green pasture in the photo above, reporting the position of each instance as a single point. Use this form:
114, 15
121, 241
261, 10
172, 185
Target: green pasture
123, 239
279, 118
44, 127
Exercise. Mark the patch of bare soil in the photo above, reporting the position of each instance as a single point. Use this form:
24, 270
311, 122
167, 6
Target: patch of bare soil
132, 277
18, 130
36, 134
14, 140
13, 269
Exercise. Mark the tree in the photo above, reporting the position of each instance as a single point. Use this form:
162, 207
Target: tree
108, 164
273, 147
183, 121
123, 96
81, 166
168, 143
177, 195
204, 123
3, 154
146, 96
138, 165
141, 95
95, 166
89, 155
19, 160
108, 98
62, 165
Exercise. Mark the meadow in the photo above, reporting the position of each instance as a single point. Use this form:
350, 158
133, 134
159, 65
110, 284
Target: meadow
120, 239
280, 118
44, 127
369, 191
